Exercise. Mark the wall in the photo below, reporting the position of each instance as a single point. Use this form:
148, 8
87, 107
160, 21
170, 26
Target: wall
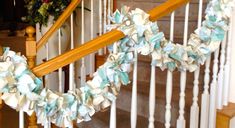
232, 71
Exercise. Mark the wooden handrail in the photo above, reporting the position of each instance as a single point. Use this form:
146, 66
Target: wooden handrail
67, 12
165, 9
101, 41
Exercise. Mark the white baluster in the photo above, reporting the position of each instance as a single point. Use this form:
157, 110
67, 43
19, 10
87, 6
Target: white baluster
83, 67
205, 96
186, 25
172, 26
221, 75
194, 111
47, 57
212, 110
109, 11
181, 120
227, 66
134, 93
105, 20
152, 97
169, 79
71, 66
112, 123
199, 21
61, 88
113, 115
47, 123
100, 52
92, 55
21, 121
105, 16
168, 99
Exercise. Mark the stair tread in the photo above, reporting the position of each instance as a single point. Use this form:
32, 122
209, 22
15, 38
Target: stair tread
123, 120
144, 67
144, 82
160, 93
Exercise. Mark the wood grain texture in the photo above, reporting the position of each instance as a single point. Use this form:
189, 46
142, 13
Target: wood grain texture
165, 8
101, 41
99, 60
225, 115
31, 55
67, 12
77, 53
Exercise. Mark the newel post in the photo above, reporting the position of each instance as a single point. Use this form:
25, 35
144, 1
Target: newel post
30, 46
31, 57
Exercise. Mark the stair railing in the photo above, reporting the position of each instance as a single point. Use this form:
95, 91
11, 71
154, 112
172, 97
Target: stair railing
100, 42
58, 23
208, 109
56, 26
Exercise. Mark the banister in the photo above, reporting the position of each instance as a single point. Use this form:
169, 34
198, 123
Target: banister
102, 41
165, 8
67, 12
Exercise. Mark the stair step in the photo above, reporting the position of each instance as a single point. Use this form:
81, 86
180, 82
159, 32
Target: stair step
146, 5
160, 92
101, 120
144, 70
124, 103
124, 98
164, 22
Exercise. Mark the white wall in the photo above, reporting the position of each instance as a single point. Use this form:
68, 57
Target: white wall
232, 71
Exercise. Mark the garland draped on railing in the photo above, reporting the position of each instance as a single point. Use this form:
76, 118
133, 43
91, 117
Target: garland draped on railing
22, 90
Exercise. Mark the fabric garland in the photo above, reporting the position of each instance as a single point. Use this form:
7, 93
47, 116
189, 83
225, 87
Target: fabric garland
22, 90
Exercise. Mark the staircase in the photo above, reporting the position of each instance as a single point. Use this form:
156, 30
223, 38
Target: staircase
101, 120
143, 92
144, 68
122, 109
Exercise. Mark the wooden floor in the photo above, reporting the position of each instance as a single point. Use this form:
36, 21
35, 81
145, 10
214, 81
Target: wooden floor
9, 119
